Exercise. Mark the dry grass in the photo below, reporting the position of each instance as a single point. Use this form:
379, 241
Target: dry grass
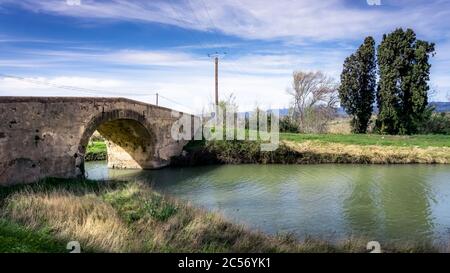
371, 153
133, 218
339, 126
84, 218
121, 220
298, 149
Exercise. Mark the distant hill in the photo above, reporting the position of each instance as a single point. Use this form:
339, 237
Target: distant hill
440, 106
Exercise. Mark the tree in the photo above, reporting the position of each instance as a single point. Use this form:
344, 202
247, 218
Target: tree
358, 82
402, 93
315, 100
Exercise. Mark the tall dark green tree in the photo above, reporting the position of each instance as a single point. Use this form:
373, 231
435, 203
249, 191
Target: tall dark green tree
358, 82
402, 93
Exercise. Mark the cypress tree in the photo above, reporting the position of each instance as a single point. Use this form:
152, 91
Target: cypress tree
358, 82
402, 93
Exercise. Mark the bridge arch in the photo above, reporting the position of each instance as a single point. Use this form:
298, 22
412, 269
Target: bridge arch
47, 136
131, 140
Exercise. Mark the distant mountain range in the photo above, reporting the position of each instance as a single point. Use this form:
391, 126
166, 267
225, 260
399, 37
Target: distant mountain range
440, 106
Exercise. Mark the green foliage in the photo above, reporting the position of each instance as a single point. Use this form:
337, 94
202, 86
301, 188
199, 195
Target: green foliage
133, 206
125, 203
404, 70
358, 81
439, 123
158, 208
18, 239
96, 150
288, 125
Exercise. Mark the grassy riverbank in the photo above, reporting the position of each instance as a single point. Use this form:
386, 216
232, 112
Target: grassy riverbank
313, 148
131, 217
324, 148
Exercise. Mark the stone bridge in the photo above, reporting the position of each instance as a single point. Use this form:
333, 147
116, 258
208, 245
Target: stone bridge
47, 136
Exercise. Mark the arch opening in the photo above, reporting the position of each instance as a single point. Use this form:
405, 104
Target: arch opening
129, 140
129, 144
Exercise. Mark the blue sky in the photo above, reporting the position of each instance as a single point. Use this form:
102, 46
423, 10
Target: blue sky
137, 48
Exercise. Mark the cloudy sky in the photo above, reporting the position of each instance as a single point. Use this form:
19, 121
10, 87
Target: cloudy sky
137, 48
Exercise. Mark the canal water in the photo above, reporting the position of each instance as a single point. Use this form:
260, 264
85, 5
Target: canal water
332, 202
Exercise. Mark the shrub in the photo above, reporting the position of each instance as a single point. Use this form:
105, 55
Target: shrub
288, 125
439, 123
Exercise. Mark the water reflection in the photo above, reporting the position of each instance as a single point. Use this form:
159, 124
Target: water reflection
407, 202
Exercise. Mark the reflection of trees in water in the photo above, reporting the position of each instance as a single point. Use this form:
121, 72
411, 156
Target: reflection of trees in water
406, 204
170, 177
360, 207
390, 202
382, 202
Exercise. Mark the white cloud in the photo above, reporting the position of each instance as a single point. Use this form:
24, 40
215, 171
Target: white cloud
154, 58
257, 77
265, 19
187, 79
275, 63
190, 93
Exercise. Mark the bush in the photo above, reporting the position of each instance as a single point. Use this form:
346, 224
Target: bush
288, 125
439, 123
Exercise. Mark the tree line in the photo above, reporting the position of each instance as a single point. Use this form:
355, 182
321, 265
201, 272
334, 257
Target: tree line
401, 63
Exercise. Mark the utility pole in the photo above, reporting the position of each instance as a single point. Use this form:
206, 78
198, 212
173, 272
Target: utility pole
216, 73
216, 57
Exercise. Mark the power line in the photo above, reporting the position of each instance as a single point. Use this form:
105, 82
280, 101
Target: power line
181, 20
173, 101
73, 88
216, 34
214, 28
87, 90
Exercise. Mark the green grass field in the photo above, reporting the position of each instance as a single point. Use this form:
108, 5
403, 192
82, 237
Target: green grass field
422, 141
15, 238
96, 147
96, 150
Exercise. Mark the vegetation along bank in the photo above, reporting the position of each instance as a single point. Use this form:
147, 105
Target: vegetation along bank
323, 148
131, 217
312, 149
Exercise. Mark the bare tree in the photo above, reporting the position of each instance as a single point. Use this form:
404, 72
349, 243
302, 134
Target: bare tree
315, 100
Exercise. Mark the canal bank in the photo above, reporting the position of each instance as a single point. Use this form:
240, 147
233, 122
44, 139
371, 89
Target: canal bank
311, 152
310, 149
131, 217
404, 203
292, 151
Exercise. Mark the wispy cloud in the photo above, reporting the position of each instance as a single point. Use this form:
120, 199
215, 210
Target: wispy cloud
303, 35
257, 19
266, 63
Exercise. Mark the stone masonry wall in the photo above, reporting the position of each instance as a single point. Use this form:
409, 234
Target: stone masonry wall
47, 136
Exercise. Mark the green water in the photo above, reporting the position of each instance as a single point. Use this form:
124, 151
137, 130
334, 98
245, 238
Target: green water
380, 202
